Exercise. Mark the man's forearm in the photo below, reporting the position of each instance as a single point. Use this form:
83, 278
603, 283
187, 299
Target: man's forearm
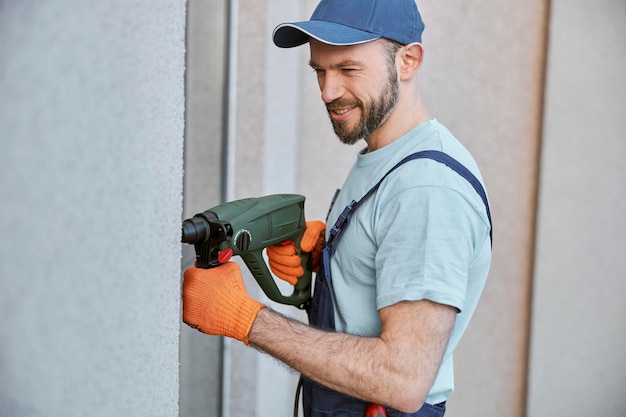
361, 367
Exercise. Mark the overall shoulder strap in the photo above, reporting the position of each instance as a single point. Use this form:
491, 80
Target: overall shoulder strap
449, 161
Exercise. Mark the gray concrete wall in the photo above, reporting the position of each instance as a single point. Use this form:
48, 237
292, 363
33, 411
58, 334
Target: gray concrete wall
91, 135
578, 340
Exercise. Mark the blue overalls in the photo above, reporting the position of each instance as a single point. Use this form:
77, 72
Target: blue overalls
319, 401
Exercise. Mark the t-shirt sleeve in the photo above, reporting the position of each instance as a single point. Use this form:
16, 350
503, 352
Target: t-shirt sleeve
426, 237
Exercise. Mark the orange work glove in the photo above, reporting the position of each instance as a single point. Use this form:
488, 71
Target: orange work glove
215, 302
284, 260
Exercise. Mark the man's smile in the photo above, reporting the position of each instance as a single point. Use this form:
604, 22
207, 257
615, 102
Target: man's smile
341, 115
339, 111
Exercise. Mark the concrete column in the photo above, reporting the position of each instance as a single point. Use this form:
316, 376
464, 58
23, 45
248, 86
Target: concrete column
91, 135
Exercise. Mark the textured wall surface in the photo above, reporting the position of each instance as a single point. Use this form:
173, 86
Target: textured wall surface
578, 341
91, 133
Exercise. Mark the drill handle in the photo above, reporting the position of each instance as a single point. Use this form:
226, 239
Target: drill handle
301, 292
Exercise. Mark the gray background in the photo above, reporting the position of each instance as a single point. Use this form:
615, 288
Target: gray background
92, 105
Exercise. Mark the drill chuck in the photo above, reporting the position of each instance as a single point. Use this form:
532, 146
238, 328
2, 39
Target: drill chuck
194, 230
206, 227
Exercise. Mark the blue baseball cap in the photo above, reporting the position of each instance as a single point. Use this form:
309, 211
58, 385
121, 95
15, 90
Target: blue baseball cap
349, 22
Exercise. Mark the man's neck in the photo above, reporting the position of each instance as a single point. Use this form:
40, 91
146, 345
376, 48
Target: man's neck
397, 125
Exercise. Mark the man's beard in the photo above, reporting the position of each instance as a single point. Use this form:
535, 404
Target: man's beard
372, 116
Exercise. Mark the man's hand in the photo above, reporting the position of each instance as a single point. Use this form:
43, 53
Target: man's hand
284, 260
215, 302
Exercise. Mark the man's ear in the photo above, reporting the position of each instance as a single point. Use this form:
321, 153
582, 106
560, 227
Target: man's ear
411, 57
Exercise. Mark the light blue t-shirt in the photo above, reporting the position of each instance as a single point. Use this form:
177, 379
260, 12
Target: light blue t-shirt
424, 234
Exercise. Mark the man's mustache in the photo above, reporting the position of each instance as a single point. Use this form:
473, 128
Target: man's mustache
339, 104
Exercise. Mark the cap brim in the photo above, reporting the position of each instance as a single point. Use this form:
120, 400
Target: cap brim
288, 35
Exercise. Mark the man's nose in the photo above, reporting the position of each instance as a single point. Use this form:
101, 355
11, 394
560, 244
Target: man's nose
331, 87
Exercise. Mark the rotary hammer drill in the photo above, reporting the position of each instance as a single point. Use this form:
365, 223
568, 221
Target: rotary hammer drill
245, 228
